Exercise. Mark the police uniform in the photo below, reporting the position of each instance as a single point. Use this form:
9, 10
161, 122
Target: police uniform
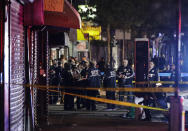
83, 84
110, 82
55, 79
68, 82
152, 76
125, 81
76, 83
93, 81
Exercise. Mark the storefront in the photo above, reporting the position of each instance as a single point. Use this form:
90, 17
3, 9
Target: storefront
46, 42
25, 50
58, 44
13, 48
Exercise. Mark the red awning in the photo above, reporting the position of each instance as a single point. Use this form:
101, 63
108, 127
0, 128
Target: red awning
69, 18
34, 14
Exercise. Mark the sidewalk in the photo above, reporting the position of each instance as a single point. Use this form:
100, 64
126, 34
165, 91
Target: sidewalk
76, 122
100, 120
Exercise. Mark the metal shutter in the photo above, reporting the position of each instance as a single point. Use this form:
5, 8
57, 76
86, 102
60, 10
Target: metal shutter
39, 96
17, 72
34, 71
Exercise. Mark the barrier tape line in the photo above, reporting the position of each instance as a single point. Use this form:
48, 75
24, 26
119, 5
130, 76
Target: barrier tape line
154, 82
162, 82
125, 89
98, 99
128, 89
112, 101
141, 89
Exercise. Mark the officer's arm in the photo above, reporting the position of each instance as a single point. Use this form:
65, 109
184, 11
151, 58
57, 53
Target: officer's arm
131, 75
118, 73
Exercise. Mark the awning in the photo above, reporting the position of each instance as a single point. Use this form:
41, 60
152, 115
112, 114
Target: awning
68, 18
34, 14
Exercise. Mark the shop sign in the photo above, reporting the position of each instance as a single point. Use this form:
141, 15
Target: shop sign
93, 32
54, 5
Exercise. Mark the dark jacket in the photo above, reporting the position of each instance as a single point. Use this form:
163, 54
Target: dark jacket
94, 77
128, 73
153, 75
110, 78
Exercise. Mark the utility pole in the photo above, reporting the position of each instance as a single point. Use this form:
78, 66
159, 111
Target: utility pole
178, 47
177, 116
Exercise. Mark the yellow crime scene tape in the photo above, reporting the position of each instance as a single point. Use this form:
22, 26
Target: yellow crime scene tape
162, 82
125, 89
105, 100
141, 89
151, 89
154, 82
112, 101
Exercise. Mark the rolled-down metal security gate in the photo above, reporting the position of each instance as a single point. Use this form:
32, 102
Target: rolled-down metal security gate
1, 65
16, 68
39, 97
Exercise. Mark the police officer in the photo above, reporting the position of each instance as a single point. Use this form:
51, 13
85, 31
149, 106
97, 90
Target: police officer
84, 82
110, 82
53, 82
166, 78
152, 76
93, 81
55, 79
76, 83
125, 77
67, 82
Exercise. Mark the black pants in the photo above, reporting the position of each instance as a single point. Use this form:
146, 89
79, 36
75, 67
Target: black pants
90, 104
79, 100
68, 101
110, 95
147, 102
53, 96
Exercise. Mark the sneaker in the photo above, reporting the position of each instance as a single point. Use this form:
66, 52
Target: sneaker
124, 115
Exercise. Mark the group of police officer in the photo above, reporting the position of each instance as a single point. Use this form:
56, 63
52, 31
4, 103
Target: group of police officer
87, 74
